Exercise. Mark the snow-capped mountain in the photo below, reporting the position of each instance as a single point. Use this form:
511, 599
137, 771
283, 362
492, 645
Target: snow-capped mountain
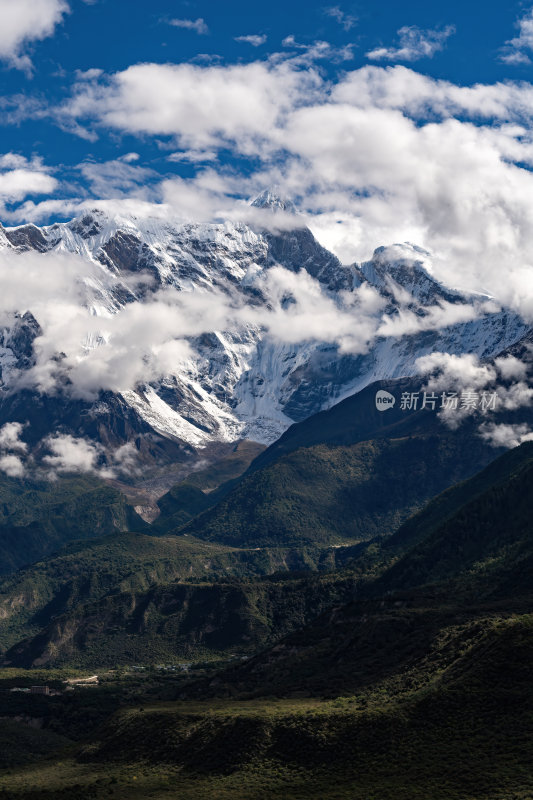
239, 382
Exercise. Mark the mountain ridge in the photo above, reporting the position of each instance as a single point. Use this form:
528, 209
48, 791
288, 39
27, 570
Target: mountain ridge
240, 384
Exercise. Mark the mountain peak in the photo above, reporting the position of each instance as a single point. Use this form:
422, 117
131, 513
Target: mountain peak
403, 254
407, 266
270, 199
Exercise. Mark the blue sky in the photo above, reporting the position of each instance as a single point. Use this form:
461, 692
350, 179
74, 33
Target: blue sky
114, 34
384, 122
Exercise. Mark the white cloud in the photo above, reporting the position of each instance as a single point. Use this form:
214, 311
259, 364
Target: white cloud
18, 183
255, 39
71, 455
449, 186
414, 44
465, 373
88, 74
31, 281
511, 368
12, 466
451, 372
121, 206
422, 97
140, 342
384, 154
515, 57
25, 21
513, 50
144, 341
200, 106
197, 25
506, 435
518, 395
10, 438
126, 458
20, 177
11, 450
113, 178
193, 156
66, 453
310, 53
347, 21
311, 314
427, 318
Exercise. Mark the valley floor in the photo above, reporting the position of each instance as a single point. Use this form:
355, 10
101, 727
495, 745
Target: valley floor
457, 738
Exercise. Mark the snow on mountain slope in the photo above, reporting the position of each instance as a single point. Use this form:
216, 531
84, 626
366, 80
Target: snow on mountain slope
238, 382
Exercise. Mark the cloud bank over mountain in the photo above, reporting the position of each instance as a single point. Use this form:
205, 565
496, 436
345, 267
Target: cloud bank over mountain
382, 154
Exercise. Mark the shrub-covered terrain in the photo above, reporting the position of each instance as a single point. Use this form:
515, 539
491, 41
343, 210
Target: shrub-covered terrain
418, 688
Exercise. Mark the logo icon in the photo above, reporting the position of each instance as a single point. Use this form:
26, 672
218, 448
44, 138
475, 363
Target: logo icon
384, 400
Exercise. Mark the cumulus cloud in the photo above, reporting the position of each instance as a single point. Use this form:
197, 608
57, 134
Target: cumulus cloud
12, 448
18, 183
467, 372
125, 458
117, 177
361, 152
25, 21
199, 105
456, 372
197, 25
20, 177
414, 43
193, 156
255, 39
511, 368
420, 96
136, 344
10, 438
383, 154
450, 186
496, 387
507, 376
515, 51
12, 465
517, 395
88, 74
64, 453
311, 53
347, 21
503, 435
301, 311
34, 281
63, 292
68, 454
409, 321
